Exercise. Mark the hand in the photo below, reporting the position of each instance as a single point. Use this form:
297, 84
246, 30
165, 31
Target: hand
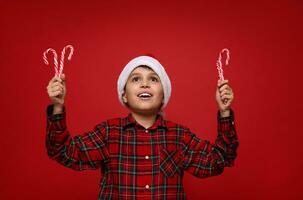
224, 97
56, 90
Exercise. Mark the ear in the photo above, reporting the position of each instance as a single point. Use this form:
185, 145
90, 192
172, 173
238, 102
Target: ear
124, 98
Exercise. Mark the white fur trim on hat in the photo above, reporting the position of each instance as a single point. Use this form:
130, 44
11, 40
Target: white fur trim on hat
153, 64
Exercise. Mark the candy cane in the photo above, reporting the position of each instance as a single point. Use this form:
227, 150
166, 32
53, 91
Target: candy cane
55, 59
219, 66
62, 57
219, 63
59, 71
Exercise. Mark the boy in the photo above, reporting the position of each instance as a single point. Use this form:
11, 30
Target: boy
142, 156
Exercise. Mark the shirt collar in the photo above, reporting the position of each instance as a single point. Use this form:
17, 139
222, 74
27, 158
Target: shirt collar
130, 121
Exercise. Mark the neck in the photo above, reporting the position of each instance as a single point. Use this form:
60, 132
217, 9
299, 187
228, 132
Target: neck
146, 120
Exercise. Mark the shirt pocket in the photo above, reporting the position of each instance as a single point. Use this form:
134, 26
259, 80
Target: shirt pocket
170, 162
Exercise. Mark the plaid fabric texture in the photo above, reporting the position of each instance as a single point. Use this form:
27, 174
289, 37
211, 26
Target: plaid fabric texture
139, 163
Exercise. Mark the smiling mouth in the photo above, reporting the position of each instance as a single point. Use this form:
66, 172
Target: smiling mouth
144, 95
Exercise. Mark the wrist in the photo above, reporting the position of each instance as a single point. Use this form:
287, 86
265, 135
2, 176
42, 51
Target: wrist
225, 113
58, 109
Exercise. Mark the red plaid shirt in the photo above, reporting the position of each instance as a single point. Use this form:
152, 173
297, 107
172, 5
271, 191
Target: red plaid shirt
139, 163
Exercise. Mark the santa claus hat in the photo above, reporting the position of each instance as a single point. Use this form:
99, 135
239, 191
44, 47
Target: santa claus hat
154, 65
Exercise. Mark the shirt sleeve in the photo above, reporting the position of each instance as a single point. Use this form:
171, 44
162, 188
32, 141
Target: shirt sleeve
202, 158
85, 151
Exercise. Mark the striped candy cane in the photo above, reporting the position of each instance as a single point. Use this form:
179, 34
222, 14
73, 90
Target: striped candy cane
219, 63
59, 71
55, 59
62, 57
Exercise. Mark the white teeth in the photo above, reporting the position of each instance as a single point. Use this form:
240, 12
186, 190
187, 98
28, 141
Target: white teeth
144, 95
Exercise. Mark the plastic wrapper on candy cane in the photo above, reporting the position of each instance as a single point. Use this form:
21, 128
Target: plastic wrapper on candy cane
59, 71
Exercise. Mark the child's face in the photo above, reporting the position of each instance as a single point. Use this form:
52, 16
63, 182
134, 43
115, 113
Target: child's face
143, 91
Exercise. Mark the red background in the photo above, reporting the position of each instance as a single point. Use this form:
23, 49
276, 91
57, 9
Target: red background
265, 40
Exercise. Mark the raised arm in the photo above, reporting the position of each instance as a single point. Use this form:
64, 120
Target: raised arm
85, 151
203, 158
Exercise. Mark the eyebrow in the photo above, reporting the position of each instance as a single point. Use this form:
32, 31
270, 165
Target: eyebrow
152, 73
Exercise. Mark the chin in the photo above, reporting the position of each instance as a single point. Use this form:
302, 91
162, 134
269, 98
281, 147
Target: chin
145, 109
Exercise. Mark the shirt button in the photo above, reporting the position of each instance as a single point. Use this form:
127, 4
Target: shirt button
146, 131
147, 186
146, 157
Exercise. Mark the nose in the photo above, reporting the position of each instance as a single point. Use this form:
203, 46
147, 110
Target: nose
145, 84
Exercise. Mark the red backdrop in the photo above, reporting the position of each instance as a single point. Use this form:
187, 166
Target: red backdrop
264, 72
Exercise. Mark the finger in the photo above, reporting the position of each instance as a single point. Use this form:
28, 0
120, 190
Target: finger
222, 83
54, 94
55, 79
225, 87
227, 96
62, 77
58, 91
225, 92
56, 84
49, 88
57, 88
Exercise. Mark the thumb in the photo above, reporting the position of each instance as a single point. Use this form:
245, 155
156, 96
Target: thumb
62, 77
219, 83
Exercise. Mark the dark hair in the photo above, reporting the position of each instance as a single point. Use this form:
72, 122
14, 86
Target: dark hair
144, 66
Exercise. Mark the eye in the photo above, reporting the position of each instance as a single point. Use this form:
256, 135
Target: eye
154, 79
135, 79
